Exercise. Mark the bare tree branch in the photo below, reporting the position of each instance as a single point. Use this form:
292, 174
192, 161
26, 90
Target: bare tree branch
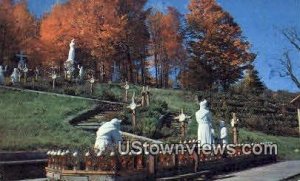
286, 62
293, 37
288, 66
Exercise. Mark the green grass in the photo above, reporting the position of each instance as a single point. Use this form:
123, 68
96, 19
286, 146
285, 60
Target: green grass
177, 99
30, 121
286, 145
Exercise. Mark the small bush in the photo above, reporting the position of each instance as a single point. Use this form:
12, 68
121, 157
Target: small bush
70, 91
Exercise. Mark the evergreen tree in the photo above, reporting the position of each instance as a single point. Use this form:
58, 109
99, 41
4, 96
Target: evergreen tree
252, 82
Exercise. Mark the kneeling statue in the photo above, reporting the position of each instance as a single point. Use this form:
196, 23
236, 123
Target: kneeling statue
108, 135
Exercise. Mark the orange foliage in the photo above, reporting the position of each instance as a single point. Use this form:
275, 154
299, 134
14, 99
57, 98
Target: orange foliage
217, 43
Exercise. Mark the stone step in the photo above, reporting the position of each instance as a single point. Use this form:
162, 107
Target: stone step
90, 124
88, 128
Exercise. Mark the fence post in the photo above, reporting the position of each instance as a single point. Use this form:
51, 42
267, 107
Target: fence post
152, 164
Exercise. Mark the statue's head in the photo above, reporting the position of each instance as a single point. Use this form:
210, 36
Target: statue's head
222, 124
116, 122
203, 104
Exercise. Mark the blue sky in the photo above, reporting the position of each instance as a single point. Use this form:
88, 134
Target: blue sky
261, 21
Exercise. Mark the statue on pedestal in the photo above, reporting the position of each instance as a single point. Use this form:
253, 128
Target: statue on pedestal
69, 64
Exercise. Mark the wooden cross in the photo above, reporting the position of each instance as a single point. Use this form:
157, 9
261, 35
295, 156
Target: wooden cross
92, 82
133, 107
296, 102
234, 125
53, 76
36, 72
25, 70
147, 96
182, 118
144, 97
20, 75
126, 87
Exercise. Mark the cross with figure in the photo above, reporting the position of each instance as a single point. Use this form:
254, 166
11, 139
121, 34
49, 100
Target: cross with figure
234, 125
126, 87
182, 118
133, 107
92, 81
21, 56
53, 76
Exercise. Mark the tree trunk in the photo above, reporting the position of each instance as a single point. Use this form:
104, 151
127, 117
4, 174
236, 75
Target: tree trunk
156, 69
143, 70
130, 64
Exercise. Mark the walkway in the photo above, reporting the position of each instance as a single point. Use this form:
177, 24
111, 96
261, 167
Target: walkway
272, 172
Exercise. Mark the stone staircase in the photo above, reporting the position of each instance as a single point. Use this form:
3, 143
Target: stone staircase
94, 122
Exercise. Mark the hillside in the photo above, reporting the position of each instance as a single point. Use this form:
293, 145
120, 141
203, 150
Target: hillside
262, 118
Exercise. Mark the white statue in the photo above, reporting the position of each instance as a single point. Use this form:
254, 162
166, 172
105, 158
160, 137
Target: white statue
108, 135
213, 135
223, 132
15, 76
69, 64
204, 119
81, 72
2, 77
71, 56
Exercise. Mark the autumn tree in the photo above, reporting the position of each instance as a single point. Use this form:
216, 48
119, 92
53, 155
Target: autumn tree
134, 40
218, 49
155, 28
17, 29
88, 22
166, 43
106, 32
6, 27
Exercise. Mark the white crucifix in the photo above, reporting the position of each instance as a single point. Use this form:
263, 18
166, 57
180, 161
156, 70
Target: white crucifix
133, 107
21, 57
53, 76
183, 119
126, 87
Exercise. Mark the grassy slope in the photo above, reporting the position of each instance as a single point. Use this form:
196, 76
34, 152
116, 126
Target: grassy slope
179, 99
39, 120
31, 121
